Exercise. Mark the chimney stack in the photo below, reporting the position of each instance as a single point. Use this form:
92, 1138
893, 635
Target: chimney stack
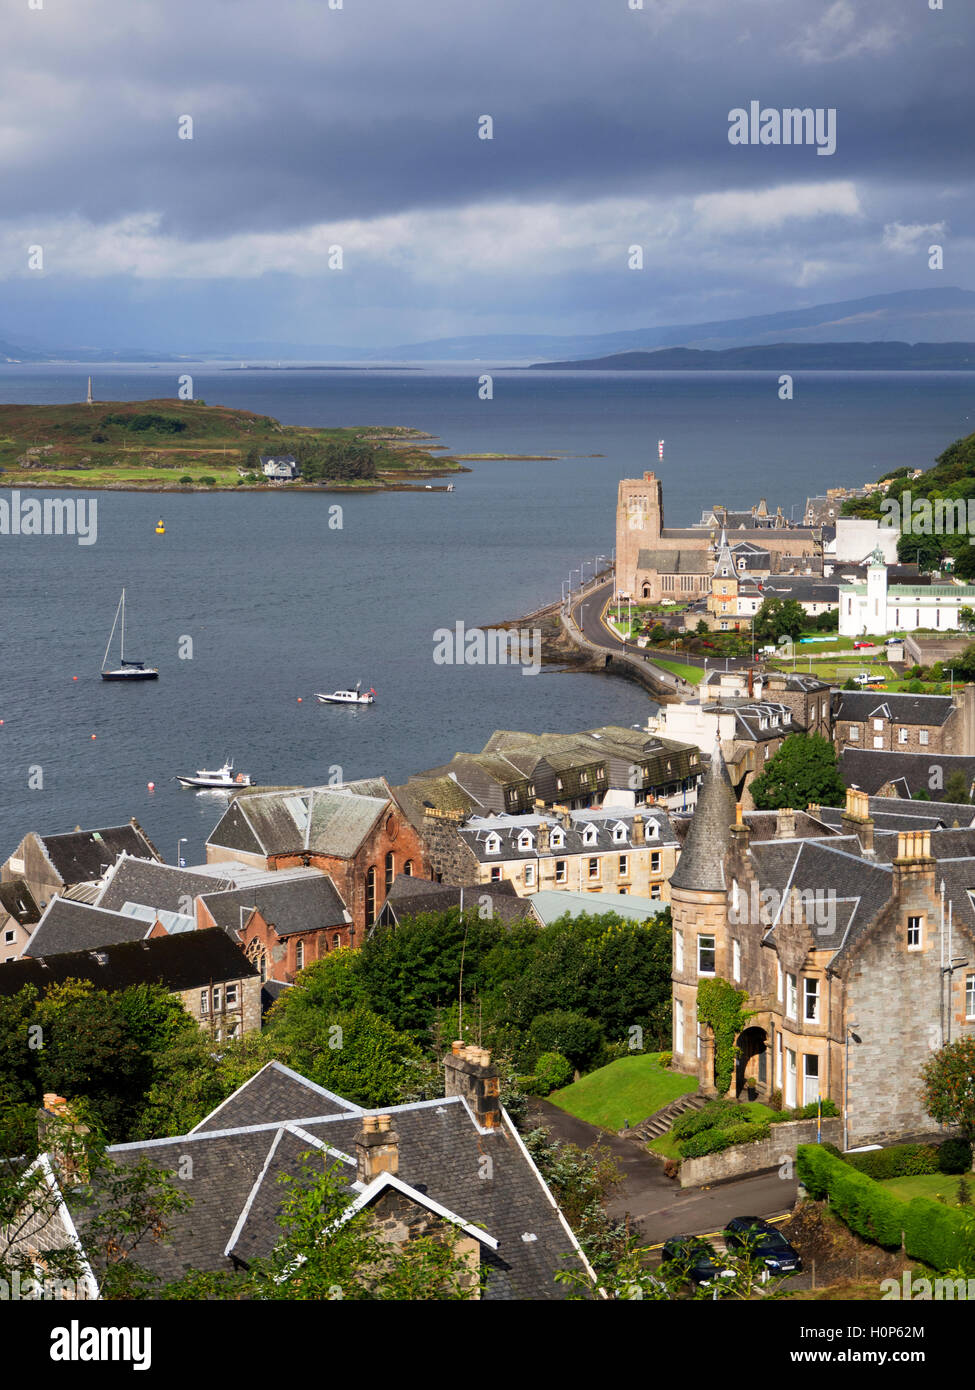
541, 839
470, 1073
785, 824
856, 818
638, 834
376, 1148
60, 1135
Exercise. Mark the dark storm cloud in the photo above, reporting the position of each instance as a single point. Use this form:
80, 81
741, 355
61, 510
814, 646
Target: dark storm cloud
305, 114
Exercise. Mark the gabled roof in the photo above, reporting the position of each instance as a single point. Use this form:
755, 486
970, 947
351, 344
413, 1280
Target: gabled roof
155, 885
858, 705
290, 905
72, 926
177, 962
242, 1149
870, 769
79, 856
323, 820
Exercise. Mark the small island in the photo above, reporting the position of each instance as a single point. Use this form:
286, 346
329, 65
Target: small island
172, 446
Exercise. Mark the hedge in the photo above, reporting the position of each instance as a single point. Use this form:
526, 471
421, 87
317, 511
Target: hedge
939, 1235
805, 1112
897, 1161
955, 1156
712, 1141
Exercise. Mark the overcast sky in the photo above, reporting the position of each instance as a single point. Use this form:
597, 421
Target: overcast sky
315, 127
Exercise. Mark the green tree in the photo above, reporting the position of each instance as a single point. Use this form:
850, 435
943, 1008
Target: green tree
802, 771
357, 1054
948, 1086
956, 788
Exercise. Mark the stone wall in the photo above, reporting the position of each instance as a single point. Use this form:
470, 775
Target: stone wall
765, 1154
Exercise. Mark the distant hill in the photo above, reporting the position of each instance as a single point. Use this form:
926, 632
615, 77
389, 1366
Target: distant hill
785, 357
941, 315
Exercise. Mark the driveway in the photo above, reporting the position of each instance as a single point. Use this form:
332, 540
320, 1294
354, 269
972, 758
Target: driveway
656, 1204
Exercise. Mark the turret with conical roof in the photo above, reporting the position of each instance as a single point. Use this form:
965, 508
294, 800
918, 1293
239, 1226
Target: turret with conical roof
701, 865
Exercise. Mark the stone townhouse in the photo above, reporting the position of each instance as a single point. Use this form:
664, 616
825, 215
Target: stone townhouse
215, 982
19, 915
361, 841
517, 770
455, 1164
597, 851
903, 723
879, 773
828, 935
51, 864
284, 922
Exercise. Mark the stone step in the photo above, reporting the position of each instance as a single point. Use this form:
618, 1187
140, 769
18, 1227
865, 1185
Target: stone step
661, 1120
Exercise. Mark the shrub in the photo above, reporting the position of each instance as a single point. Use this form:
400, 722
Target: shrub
938, 1235
671, 1168
666, 1058
578, 1038
747, 1133
186, 478
553, 1071
955, 1156
710, 1141
898, 1161
208, 481
714, 1115
528, 1085
775, 1100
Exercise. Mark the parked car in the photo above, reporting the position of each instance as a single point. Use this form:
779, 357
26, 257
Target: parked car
765, 1242
696, 1258
858, 646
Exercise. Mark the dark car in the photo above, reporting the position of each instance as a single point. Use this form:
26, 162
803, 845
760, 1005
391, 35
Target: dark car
694, 1257
765, 1242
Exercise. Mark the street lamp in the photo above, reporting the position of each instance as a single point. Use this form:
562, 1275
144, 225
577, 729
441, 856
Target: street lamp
850, 1033
955, 964
181, 841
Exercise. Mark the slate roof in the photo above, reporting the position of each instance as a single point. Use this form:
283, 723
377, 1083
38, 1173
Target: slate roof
409, 896
324, 820
177, 962
17, 900
701, 864
73, 926
860, 705
893, 813
675, 561
477, 832
870, 769
289, 904
750, 714
265, 1128
154, 884
82, 855
800, 590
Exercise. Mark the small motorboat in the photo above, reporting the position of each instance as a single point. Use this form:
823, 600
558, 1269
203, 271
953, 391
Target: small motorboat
222, 779
348, 697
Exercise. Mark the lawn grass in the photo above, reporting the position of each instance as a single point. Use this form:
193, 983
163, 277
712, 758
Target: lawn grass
691, 674
931, 1185
629, 1089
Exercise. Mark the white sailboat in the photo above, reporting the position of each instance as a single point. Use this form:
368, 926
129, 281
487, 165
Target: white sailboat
127, 669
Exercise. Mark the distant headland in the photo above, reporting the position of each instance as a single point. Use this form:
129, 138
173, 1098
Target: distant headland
171, 446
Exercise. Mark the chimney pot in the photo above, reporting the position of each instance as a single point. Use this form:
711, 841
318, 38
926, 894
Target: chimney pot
457, 1047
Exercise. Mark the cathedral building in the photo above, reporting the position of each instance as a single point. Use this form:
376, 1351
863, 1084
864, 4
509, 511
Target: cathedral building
655, 563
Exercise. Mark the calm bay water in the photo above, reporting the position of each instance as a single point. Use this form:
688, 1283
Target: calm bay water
279, 606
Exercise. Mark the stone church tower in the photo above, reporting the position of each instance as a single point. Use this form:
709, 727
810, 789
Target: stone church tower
639, 525
699, 913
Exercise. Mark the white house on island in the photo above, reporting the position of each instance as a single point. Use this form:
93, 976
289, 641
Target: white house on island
878, 607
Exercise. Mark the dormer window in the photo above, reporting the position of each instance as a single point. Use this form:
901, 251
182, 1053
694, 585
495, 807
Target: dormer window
619, 834
493, 844
589, 835
525, 841
558, 839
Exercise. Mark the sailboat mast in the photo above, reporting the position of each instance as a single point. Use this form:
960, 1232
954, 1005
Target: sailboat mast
122, 648
112, 633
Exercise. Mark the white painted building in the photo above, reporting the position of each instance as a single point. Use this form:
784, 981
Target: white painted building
878, 608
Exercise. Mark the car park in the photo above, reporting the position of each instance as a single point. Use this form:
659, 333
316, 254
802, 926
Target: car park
765, 1241
694, 1257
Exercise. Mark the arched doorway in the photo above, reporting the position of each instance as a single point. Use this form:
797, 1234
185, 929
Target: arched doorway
753, 1060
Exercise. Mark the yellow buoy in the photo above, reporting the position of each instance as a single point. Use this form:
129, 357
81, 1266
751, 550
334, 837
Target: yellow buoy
160, 528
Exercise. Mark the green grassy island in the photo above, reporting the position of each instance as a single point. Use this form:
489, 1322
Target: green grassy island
169, 445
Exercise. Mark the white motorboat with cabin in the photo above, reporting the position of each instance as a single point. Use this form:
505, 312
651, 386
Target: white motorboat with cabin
222, 779
348, 697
